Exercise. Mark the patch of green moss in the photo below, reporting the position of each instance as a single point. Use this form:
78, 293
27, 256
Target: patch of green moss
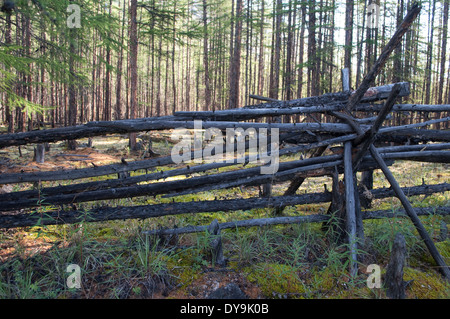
444, 249
105, 232
324, 280
185, 275
183, 267
334, 284
277, 280
425, 285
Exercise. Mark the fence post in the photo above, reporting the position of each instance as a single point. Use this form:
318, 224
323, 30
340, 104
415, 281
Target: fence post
394, 284
39, 153
215, 242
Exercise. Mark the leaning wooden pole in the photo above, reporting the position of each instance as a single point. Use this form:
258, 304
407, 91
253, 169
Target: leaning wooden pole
411, 213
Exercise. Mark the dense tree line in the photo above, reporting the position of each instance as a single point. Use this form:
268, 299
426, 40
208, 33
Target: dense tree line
136, 58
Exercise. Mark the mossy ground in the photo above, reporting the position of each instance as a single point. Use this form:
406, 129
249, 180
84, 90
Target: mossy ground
292, 261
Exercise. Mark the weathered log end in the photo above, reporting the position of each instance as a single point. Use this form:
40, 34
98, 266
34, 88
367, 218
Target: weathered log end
39, 153
365, 195
394, 284
215, 242
72, 145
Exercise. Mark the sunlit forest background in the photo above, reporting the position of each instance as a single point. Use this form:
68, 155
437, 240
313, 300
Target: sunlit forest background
134, 58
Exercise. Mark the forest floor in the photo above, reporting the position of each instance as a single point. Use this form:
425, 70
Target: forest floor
291, 261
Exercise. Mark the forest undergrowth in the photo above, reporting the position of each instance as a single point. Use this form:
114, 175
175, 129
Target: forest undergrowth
117, 260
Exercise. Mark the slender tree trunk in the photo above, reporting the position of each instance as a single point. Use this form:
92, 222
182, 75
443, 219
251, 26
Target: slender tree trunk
247, 52
188, 82
187, 102
252, 68
97, 86
28, 78
72, 86
370, 42
52, 103
9, 112
133, 67
107, 96
275, 74
261, 52
409, 50
331, 44
301, 52
360, 49
158, 79
231, 48
166, 83
119, 70
153, 61
174, 87
93, 93
205, 57
289, 46
416, 56
313, 87
427, 79
319, 61
440, 94
349, 38
235, 68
